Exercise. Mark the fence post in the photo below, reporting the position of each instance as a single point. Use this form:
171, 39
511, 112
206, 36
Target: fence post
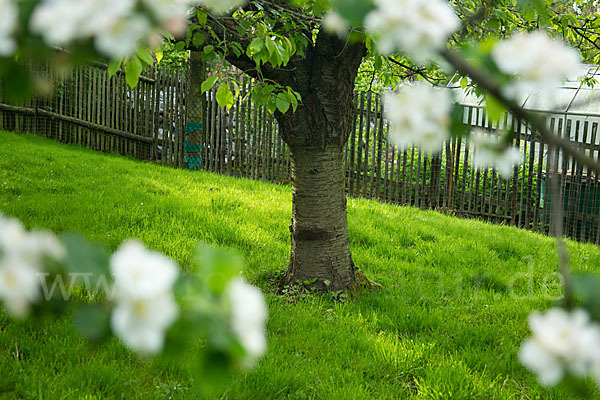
196, 109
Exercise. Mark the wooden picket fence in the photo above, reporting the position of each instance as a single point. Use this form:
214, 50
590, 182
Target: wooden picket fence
91, 109
149, 123
244, 142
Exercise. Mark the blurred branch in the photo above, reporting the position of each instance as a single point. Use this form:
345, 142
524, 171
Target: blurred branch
557, 215
538, 124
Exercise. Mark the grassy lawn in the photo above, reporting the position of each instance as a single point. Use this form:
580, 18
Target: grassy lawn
447, 324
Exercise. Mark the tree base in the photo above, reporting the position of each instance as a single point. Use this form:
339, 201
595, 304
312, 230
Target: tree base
361, 283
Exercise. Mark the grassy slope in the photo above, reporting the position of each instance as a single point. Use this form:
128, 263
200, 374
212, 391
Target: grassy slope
446, 324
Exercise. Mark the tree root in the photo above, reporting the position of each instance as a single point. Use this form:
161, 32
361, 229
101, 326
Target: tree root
362, 283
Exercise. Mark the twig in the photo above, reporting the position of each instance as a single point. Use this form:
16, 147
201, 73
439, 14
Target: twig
557, 214
487, 82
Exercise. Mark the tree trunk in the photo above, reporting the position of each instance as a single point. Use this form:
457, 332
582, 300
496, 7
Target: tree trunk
316, 133
319, 229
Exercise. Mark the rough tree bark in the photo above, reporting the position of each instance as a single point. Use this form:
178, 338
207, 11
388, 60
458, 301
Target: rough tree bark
316, 134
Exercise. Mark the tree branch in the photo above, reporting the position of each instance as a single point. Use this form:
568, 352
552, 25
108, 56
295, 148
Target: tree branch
487, 83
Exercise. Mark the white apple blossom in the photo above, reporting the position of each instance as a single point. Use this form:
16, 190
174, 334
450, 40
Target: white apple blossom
220, 6
418, 115
117, 27
8, 23
563, 343
335, 24
19, 285
23, 256
63, 21
141, 323
123, 37
248, 317
145, 306
416, 27
539, 63
141, 273
488, 153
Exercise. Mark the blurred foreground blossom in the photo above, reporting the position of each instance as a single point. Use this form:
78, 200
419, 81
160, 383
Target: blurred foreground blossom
563, 343
334, 23
220, 6
488, 153
419, 115
22, 261
8, 23
539, 62
145, 305
116, 26
248, 318
417, 27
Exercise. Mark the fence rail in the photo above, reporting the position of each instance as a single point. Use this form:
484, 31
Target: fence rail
244, 142
91, 109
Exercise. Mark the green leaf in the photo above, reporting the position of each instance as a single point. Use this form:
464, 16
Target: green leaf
586, 287
283, 103
495, 108
145, 56
216, 268
270, 46
85, 257
159, 56
114, 67
493, 24
209, 83
92, 322
198, 39
293, 99
236, 48
255, 47
457, 126
202, 17
271, 106
133, 70
225, 96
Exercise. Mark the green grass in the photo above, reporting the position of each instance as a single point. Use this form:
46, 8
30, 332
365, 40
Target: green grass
447, 324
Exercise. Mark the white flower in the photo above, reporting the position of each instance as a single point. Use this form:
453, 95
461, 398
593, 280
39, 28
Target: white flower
220, 6
538, 62
335, 24
19, 284
419, 115
23, 256
141, 273
8, 23
141, 323
562, 343
488, 153
417, 27
62, 21
115, 25
123, 37
145, 306
172, 14
248, 317
105, 15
